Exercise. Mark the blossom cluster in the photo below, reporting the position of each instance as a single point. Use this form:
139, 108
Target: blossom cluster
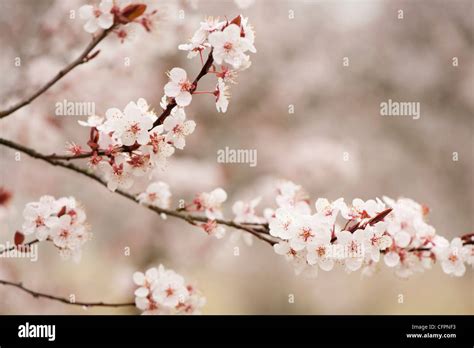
355, 236
123, 19
163, 291
125, 145
133, 142
313, 239
61, 221
211, 204
229, 42
158, 195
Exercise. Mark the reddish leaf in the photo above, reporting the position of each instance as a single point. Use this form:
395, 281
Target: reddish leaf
236, 20
133, 11
5, 196
19, 238
62, 211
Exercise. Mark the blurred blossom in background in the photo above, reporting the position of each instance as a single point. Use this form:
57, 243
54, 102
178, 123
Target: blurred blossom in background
331, 62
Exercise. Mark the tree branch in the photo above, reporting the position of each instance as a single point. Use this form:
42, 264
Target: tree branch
83, 58
37, 294
262, 233
161, 118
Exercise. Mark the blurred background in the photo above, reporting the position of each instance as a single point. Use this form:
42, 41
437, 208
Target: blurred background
301, 46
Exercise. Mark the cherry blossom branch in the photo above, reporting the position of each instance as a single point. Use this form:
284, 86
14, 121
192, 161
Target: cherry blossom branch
37, 294
204, 70
259, 232
84, 57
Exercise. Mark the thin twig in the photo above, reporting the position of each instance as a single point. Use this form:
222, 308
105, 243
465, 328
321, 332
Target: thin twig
37, 294
84, 57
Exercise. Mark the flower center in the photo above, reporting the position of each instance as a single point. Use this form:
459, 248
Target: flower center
169, 292
354, 247
228, 46
135, 128
453, 258
118, 170
321, 251
185, 86
152, 305
137, 161
39, 221
306, 234
64, 233
178, 129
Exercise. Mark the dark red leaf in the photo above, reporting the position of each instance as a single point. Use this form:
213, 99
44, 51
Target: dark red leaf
19, 238
236, 20
133, 11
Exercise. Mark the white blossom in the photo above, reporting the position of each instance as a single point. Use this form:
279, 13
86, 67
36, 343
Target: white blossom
245, 211
317, 251
118, 174
212, 228
452, 258
179, 87
130, 126
199, 40
40, 217
178, 128
158, 147
353, 244
283, 248
96, 18
376, 240
157, 194
211, 203
229, 46
283, 225
290, 195
61, 221
162, 291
